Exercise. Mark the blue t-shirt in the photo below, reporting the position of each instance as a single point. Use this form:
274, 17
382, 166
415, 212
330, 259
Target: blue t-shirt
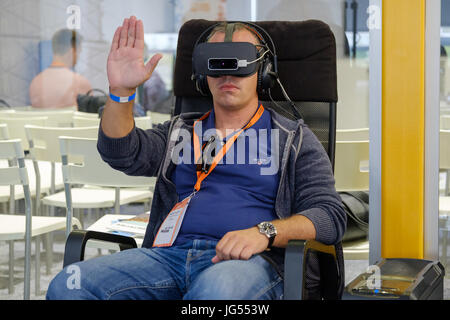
237, 194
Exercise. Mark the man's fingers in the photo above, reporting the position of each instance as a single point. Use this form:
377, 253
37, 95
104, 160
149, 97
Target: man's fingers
246, 253
124, 34
116, 38
236, 251
151, 65
139, 42
131, 32
215, 259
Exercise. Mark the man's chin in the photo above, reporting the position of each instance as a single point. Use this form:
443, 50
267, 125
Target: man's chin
230, 105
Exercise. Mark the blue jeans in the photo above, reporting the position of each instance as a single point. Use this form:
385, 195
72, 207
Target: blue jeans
182, 272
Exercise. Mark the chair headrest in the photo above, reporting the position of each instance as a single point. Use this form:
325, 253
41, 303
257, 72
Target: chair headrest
306, 53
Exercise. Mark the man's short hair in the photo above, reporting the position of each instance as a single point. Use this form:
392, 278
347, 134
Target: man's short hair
222, 27
64, 40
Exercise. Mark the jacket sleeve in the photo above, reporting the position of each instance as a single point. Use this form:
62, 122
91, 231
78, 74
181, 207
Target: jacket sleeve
140, 153
315, 193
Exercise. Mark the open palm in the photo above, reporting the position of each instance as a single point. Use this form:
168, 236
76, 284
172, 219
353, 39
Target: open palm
126, 69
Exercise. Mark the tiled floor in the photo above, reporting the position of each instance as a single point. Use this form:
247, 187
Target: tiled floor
352, 268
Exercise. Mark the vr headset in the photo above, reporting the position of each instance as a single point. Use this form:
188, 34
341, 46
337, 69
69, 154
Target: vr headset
241, 59
225, 58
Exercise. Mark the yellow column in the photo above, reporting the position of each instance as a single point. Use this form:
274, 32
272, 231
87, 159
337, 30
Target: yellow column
403, 98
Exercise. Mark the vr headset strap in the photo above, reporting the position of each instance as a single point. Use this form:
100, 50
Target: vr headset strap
229, 32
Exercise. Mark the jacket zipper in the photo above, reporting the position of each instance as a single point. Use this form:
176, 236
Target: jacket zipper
283, 168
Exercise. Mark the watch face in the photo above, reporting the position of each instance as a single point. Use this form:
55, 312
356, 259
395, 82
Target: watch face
267, 228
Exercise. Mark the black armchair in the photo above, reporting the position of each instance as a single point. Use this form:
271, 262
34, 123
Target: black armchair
307, 68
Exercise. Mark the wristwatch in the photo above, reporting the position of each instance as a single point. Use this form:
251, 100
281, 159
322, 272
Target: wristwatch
268, 229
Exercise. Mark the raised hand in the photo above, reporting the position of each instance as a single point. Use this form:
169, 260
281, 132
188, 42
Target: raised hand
125, 68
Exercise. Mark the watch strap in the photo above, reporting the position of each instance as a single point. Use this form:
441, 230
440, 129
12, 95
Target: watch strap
271, 240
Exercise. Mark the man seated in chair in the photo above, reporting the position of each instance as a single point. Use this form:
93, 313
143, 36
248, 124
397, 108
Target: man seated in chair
236, 216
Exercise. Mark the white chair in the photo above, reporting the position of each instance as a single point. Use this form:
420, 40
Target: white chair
85, 121
44, 149
158, 117
357, 134
444, 157
44, 146
445, 122
55, 118
351, 174
16, 127
352, 165
71, 108
116, 187
4, 131
17, 191
81, 121
144, 123
85, 114
6, 191
24, 227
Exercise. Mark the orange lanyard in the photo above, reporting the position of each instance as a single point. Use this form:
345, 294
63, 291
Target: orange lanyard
198, 153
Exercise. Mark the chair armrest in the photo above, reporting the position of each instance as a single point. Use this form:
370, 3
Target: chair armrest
295, 264
293, 270
77, 239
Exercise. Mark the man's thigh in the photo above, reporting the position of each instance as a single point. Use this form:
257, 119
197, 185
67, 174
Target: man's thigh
130, 274
249, 279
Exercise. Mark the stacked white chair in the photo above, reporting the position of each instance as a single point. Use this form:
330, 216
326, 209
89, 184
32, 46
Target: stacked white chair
114, 187
55, 118
144, 123
352, 165
157, 117
356, 134
44, 148
24, 227
16, 126
82, 121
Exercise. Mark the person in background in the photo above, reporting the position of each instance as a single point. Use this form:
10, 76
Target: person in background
154, 91
58, 86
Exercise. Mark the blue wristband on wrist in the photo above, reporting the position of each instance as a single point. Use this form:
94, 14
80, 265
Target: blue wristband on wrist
122, 99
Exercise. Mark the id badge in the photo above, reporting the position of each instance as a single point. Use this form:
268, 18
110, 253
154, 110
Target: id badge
169, 229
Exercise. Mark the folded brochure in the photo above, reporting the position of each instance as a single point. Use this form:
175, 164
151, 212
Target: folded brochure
135, 226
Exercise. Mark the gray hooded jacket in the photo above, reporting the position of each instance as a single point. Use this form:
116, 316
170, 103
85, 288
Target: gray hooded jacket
306, 184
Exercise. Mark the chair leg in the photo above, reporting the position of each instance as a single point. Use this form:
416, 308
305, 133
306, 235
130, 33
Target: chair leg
11, 267
38, 266
48, 253
79, 213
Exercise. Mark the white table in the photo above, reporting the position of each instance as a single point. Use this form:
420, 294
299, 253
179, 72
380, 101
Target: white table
102, 225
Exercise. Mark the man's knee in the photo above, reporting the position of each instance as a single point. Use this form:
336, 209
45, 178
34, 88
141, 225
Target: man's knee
236, 280
66, 284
